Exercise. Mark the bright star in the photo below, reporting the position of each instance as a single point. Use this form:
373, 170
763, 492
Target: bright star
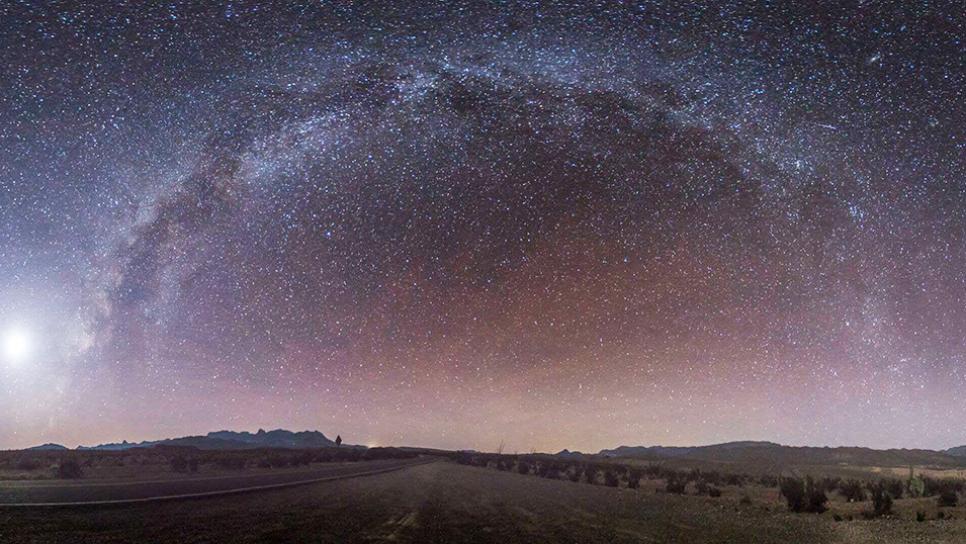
16, 345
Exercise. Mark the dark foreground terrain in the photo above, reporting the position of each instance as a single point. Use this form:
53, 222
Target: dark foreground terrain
447, 502
77, 493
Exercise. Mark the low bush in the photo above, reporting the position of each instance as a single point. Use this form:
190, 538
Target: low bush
179, 463
852, 490
948, 498
69, 469
633, 478
676, 485
27, 463
803, 495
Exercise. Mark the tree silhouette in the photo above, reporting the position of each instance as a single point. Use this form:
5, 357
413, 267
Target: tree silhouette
338, 440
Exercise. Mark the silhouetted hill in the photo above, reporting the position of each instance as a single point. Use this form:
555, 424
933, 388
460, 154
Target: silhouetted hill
278, 438
47, 447
958, 451
570, 454
231, 440
769, 453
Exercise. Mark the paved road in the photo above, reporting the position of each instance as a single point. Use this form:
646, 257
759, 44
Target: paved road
61, 493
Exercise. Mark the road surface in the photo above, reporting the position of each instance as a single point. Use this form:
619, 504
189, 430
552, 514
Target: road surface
80, 493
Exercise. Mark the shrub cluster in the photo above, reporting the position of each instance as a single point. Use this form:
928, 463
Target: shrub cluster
75, 463
804, 495
881, 499
609, 473
949, 498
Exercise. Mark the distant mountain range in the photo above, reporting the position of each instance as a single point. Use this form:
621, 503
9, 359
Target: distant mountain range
770, 453
958, 451
221, 440
760, 453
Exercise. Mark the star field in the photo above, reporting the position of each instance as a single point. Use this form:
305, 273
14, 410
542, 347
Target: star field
459, 224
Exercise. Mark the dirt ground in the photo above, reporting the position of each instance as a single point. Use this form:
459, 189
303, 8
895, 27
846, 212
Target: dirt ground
446, 502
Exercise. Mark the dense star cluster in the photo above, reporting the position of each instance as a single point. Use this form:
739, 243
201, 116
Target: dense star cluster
459, 224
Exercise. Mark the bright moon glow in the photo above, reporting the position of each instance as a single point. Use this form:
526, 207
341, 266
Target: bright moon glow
16, 345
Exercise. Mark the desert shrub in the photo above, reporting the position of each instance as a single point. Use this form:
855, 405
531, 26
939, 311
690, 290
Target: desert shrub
700, 487
69, 469
793, 490
633, 478
713, 478
920, 516
27, 462
816, 498
193, 464
934, 486
734, 479
553, 471
523, 467
714, 492
574, 474
881, 500
676, 485
948, 498
610, 478
590, 473
941, 515
768, 480
852, 490
745, 500
179, 463
829, 483
894, 487
231, 462
837, 517
278, 461
804, 495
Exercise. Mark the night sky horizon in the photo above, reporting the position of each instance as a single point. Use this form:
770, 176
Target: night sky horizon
465, 224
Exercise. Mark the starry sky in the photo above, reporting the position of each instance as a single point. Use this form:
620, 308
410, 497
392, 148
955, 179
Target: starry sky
460, 224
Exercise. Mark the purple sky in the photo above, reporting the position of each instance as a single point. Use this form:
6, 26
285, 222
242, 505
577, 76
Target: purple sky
460, 226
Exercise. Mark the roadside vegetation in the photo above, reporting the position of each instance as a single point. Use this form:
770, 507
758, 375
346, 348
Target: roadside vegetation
805, 495
141, 462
